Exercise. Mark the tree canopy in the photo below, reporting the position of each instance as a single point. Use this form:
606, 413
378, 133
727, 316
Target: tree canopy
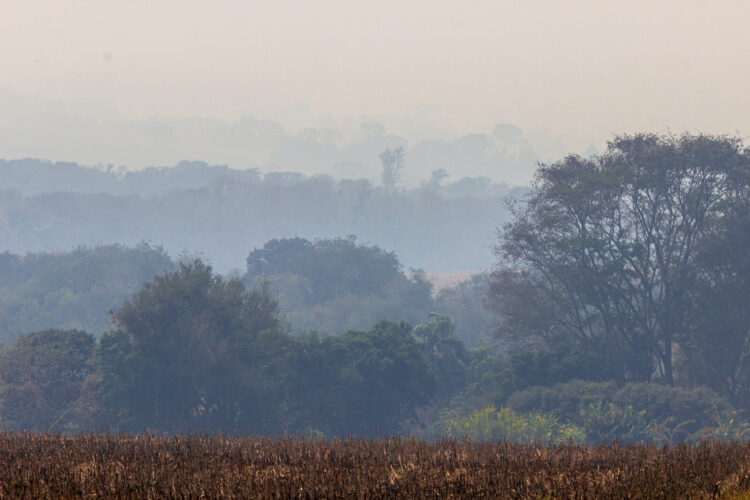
48, 381
190, 352
605, 251
193, 350
75, 289
335, 285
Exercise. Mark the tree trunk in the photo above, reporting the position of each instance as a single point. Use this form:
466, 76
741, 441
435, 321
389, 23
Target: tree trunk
667, 361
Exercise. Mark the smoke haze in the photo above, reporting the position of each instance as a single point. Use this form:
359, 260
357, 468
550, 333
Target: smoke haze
144, 83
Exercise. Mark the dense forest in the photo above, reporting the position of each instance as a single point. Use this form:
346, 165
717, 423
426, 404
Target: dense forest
615, 310
222, 212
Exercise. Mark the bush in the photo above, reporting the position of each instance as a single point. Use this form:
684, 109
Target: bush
635, 411
505, 425
491, 378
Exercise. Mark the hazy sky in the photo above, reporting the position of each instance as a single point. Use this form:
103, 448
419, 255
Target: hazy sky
582, 70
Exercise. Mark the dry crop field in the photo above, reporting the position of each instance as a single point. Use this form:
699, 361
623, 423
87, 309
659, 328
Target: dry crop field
49, 466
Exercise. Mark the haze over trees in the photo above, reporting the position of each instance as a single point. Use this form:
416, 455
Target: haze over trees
72, 290
342, 150
222, 212
336, 285
392, 162
616, 311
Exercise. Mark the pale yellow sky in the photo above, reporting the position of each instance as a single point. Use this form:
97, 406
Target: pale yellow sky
583, 70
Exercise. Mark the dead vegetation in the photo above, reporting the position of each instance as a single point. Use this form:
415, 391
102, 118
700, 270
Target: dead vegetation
54, 466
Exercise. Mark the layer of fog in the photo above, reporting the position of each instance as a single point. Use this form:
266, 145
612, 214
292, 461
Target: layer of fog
92, 133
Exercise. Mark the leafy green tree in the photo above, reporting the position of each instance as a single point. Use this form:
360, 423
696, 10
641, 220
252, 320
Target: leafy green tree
603, 251
332, 267
445, 353
335, 285
361, 383
74, 290
48, 382
194, 351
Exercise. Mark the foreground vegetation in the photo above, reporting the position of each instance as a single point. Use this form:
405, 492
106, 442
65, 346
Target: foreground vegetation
54, 466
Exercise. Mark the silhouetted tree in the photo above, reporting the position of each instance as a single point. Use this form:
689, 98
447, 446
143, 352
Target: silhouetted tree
361, 383
194, 351
392, 161
603, 251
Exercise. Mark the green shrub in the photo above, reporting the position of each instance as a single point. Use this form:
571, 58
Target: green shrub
727, 427
490, 424
566, 399
635, 412
607, 421
491, 377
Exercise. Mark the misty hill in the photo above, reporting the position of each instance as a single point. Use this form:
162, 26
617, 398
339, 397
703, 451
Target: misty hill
222, 213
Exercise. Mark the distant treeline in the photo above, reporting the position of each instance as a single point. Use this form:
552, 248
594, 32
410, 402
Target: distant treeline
221, 212
329, 286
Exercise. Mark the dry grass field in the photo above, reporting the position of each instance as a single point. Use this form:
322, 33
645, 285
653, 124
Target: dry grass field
101, 466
